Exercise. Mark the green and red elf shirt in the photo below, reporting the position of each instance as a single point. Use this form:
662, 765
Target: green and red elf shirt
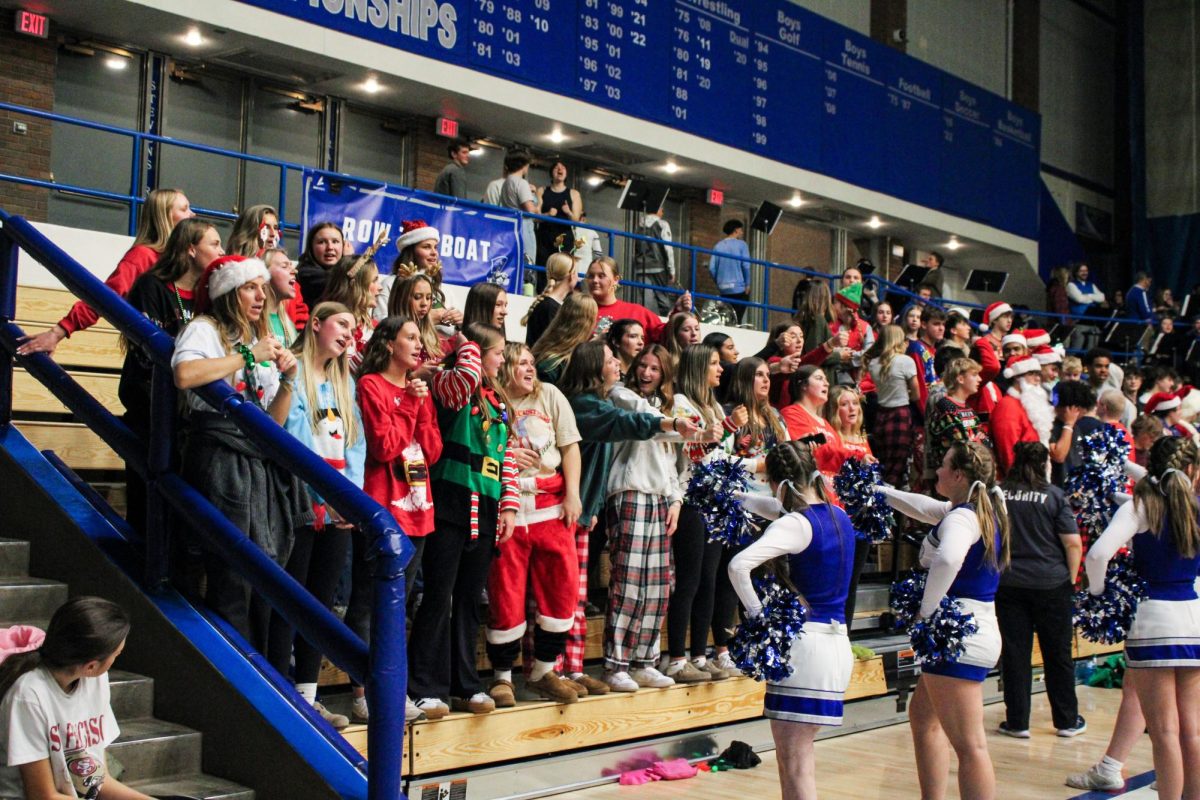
476, 456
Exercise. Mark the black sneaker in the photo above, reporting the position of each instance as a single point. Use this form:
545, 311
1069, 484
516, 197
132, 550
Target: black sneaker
1013, 732
1079, 727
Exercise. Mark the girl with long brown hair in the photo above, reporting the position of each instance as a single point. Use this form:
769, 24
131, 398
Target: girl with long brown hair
571, 327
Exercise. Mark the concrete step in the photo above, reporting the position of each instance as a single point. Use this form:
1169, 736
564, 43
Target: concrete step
199, 786
25, 598
14, 557
150, 748
132, 696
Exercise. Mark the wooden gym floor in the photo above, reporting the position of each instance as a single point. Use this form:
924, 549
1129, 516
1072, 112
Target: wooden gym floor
878, 764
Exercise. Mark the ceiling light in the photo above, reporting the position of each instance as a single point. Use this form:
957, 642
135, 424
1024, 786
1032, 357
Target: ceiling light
476, 149
953, 244
796, 201
594, 179
556, 136
671, 167
193, 38
874, 222
371, 85
116, 63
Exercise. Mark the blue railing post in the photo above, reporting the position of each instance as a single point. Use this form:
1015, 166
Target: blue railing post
135, 181
163, 401
283, 170
692, 288
763, 312
387, 680
9, 255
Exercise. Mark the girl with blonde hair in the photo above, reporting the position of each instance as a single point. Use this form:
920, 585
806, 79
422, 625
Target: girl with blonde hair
572, 326
413, 298
354, 283
561, 277
255, 231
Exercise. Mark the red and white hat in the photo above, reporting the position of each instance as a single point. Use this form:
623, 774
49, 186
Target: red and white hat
1014, 337
1167, 401
1045, 354
1021, 365
224, 275
1036, 336
993, 312
415, 230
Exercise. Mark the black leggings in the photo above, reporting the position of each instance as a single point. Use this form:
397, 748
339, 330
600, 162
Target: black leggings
696, 561
317, 562
862, 549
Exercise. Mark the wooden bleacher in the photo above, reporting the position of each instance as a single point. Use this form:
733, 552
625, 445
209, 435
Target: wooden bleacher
92, 357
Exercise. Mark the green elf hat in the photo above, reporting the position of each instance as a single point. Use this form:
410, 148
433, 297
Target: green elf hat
851, 296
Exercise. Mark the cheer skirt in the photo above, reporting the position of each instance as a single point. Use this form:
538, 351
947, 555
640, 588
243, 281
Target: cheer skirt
1165, 633
821, 666
982, 649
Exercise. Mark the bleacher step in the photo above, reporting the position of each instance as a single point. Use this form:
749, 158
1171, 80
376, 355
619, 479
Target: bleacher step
152, 748
131, 695
14, 557
23, 597
202, 787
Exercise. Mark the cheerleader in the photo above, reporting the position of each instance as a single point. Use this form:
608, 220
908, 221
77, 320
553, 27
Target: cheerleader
963, 554
1163, 645
817, 540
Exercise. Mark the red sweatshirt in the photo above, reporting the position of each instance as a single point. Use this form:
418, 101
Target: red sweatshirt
984, 351
139, 259
623, 309
399, 427
1010, 424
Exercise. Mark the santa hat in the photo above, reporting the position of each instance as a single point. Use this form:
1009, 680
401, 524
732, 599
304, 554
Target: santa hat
993, 312
415, 230
959, 310
1036, 336
1016, 337
1167, 401
1021, 365
224, 275
1045, 354
851, 296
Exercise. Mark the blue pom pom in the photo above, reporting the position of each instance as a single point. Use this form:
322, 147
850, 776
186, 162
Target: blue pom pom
857, 486
1091, 485
713, 490
905, 598
1106, 618
941, 638
761, 647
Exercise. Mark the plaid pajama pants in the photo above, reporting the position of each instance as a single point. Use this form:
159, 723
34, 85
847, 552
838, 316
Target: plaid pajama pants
894, 443
640, 584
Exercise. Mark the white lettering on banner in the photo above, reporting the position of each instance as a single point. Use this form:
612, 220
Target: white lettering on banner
464, 248
789, 28
364, 231
415, 18
854, 58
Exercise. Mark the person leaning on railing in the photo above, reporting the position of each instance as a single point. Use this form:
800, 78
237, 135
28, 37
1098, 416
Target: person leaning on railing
162, 211
229, 341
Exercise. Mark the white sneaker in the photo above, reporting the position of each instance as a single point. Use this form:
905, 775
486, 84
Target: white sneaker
725, 662
1096, 780
650, 678
621, 682
411, 712
432, 707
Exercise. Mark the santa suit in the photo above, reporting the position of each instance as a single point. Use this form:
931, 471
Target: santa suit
541, 553
1010, 424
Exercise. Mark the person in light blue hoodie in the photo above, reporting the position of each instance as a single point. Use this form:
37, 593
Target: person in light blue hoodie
730, 267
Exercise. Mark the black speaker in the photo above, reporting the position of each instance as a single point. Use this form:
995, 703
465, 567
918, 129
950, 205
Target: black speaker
766, 217
642, 195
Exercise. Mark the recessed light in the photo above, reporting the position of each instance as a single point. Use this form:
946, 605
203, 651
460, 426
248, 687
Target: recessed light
796, 200
556, 136
193, 38
671, 167
874, 222
476, 149
371, 85
594, 179
953, 244
116, 63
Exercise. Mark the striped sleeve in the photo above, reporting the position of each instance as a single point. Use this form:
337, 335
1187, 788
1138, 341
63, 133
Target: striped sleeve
510, 490
453, 387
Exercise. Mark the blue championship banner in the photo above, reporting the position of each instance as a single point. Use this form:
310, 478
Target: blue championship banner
476, 245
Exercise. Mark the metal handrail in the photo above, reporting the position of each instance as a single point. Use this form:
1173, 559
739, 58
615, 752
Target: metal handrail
135, 199
382, 669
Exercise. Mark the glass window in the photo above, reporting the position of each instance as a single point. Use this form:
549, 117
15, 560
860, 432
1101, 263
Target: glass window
372, 147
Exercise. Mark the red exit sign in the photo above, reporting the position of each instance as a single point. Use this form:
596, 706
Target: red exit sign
715, 197
31, 24
447, 127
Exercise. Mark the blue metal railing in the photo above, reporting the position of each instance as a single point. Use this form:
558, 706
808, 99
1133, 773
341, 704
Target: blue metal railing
382, 669
772, 271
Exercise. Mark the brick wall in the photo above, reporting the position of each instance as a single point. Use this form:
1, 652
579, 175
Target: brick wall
704, 224
798, 244
429, 155
26, 78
